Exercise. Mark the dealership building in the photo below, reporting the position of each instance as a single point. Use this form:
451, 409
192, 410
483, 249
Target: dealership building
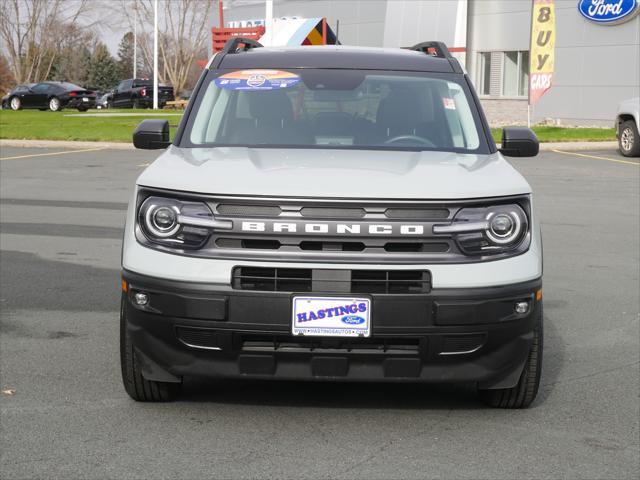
596, 65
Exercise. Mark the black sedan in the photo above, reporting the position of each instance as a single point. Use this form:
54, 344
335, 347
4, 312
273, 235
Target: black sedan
51, 95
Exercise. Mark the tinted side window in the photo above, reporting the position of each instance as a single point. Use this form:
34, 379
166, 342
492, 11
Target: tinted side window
41, 88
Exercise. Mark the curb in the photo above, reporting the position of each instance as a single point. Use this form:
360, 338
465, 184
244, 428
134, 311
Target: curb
576, 146
64, 144
544, 147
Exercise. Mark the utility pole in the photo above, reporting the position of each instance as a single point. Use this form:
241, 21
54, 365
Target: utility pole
268, 21
135, 40
155, 54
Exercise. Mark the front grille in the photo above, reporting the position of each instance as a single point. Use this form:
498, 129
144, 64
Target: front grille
345, 281
324, 212
249, 243
232, 210
390, 281
291, 344
332, 231
331, 246
306, 230
401, 247
272, 279
419, 213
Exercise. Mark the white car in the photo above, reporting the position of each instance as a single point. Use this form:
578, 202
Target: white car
336, 214
627, 121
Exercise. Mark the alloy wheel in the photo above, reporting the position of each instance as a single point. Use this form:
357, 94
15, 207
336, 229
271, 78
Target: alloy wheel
627, 139
15, 103
54, 104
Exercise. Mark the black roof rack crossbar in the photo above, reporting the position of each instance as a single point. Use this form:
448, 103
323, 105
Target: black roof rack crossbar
234, 42
435, 49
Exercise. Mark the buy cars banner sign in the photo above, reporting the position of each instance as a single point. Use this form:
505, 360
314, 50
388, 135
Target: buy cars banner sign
542, 53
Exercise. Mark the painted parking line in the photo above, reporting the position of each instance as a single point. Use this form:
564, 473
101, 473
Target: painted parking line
595, 157
53, 153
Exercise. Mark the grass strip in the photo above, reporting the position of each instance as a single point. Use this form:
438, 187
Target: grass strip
97, 125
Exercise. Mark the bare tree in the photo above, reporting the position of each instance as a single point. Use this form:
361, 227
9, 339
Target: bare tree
183, 29
6, 77
31, 32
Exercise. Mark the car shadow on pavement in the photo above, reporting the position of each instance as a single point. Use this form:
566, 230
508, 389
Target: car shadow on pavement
327, 394
554, 351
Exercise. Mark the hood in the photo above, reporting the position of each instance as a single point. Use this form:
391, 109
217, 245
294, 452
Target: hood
372, 174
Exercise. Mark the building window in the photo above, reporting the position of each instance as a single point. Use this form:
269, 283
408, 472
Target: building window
515, 74
484, 80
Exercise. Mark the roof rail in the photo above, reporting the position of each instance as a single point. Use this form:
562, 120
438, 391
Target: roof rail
233, 45
440, 50
435, 49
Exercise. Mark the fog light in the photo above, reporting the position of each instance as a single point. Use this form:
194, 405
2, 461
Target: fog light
141, 298
521, 308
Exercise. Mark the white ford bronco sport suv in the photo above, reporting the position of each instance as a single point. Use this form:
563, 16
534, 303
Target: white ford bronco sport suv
333, 213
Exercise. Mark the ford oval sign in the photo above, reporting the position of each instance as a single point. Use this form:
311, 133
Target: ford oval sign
352, 320
608, 12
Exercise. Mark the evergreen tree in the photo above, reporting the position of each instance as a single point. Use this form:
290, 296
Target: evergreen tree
125, 56
103, 71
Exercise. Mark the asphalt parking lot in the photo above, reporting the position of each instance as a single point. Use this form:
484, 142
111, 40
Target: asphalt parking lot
61, 218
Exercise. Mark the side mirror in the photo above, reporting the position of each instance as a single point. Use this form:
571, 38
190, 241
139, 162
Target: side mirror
152, 135
519, 142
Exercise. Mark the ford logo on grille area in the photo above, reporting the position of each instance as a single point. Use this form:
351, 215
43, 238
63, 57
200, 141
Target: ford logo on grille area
608, 12
352, 320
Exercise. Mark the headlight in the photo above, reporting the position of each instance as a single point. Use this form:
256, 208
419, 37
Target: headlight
162, 221
176, 223
488, 230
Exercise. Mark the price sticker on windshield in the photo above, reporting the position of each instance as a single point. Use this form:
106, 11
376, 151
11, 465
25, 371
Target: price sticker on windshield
449, 104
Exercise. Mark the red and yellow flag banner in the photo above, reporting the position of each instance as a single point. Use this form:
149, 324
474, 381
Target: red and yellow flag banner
542, 53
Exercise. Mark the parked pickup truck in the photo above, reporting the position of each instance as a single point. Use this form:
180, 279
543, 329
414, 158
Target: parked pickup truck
138, 93
627, 123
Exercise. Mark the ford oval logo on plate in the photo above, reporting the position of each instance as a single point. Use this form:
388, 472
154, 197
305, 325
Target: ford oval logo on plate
608, 12
353, 320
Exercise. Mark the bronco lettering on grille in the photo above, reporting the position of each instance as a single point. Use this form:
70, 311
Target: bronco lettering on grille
334, 228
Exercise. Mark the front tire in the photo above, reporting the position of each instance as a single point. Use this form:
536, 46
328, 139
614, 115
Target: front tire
54, 104
524, 393
628, 139
82, 109
15, 104
138, 387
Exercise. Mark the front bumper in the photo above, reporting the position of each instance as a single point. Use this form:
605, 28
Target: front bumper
447, 335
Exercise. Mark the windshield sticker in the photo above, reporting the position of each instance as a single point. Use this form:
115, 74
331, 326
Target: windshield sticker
449, 104
257, 80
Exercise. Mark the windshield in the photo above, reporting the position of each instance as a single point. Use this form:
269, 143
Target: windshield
335, 108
